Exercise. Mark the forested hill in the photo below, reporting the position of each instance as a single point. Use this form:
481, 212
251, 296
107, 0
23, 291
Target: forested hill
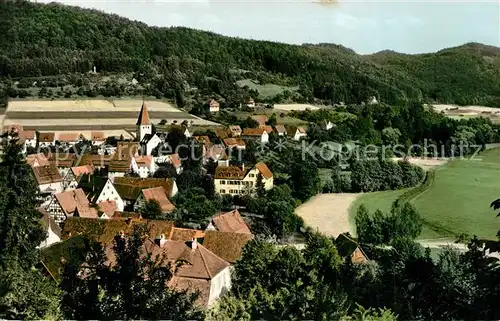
53, 39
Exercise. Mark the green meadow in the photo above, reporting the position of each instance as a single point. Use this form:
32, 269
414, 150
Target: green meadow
457, 202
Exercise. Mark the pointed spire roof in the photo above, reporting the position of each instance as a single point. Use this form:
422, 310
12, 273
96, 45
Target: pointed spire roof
143, 115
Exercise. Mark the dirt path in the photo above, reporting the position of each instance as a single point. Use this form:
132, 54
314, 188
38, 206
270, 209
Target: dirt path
328, 213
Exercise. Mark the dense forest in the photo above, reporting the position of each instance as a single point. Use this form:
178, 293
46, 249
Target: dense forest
38, 40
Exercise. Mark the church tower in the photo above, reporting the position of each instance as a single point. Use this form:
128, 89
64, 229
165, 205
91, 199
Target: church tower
144, 126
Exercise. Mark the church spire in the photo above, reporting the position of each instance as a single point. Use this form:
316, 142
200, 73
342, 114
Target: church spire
143, 116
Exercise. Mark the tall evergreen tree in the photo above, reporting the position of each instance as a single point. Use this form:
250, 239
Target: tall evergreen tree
20, 229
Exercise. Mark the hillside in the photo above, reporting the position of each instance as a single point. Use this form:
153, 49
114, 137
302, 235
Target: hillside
49, 40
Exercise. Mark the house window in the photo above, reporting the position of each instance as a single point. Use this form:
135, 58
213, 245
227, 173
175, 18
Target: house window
223, 182
223, 191
251, 175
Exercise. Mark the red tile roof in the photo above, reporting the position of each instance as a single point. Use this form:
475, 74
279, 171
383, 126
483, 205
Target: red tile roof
264, 170
228, 246
253, 131
46, 137
73, 200
81, 170
233, 142
68, 137
144, 161
230, 222
280, 129
107, 207
39, 158
143, 118
47, 174
201, 263
267, 128
185, 234
214, 103
158, 194
97, 136
229, 172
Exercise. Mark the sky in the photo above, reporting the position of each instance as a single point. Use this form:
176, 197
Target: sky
366, 26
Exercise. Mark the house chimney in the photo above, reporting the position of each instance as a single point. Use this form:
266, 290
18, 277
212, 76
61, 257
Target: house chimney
163, 240
194, 244
243, 166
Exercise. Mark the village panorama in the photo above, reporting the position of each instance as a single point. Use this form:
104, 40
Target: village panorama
151, 173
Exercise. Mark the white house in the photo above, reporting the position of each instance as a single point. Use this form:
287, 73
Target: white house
205, 273
213, 106
280, 129
144, 166
251, 103
235, 130
118, 168
99, 189
68, 139
51, 227
97, 138
149, 142
328, 125
49, 180
234, 180
260, 134
296, 133
28, 138
46, 139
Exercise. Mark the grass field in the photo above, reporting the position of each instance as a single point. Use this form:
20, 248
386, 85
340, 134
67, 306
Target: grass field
285, 120
267, 90
460, 197
457, 202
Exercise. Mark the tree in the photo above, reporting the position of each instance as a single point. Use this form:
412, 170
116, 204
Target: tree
28, 295
20, 230
272, 121
390, 136
133, 287
259, 186
151, 210
165, 170
304, 178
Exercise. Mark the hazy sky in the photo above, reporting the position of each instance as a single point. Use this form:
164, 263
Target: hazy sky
366, 26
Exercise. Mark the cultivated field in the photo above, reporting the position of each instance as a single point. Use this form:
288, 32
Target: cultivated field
328, 213
426, 163
290, 107
459, 112
267, 90
91, 114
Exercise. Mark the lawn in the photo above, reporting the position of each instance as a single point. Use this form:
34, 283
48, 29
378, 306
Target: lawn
459, 200
267, 90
